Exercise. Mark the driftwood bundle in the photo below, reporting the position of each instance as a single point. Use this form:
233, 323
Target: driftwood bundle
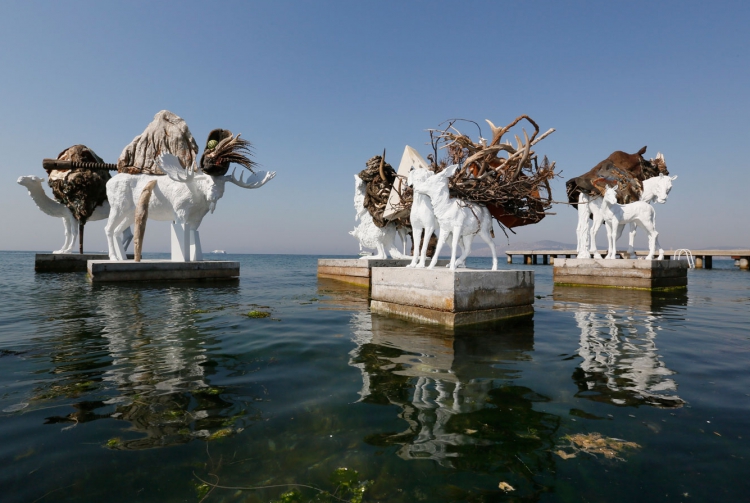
507, 178
80, 189
379, 182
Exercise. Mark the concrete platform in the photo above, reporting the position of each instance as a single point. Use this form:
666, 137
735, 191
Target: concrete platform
358, 271
66, 262
162, 270
621, 273
451, 298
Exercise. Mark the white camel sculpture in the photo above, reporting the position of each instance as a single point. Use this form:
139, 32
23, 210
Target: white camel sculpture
369, 234
461, 218
616, 216
654, 189
183, 197
54, 209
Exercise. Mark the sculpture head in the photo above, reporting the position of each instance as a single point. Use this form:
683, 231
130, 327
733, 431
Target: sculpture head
30, 181
433, 183
662, 187
610, 194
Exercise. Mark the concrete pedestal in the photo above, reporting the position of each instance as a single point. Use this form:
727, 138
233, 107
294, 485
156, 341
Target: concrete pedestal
359, 271
451, 298
161, 270
621, 273
66, 262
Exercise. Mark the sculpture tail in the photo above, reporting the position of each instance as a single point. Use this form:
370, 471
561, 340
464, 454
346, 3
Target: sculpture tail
141, 216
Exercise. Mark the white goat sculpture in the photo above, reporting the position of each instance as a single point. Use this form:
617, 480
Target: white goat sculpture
463, 219
183, 197
369, 234
616, 216
56, 209
422, 217
655, 189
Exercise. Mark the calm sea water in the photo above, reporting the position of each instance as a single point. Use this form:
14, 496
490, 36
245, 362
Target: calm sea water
143, 392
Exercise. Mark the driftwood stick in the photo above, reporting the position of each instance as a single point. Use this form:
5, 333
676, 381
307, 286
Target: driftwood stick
141, 216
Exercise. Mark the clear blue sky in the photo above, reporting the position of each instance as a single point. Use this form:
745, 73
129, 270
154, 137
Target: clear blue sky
320, 87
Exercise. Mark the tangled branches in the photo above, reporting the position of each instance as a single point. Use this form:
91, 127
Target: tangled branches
506, 178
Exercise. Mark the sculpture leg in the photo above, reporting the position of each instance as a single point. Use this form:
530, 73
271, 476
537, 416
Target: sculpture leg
595, 226
454, 246
416, 236
582, 231
180, 241
488, 239
71, 232
441, 240
113, 231
428, 231
631, 240
127, 238
196, 252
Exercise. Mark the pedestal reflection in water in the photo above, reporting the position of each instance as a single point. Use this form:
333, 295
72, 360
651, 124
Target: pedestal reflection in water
146, 361
618, 343
457, 395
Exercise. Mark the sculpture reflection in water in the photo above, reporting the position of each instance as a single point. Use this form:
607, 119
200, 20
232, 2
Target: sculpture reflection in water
143, 358
457, 394
621, 362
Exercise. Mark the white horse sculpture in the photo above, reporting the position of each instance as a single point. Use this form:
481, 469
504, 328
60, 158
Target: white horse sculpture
654, 189
463, 219
616, 216
369, 234
56, 209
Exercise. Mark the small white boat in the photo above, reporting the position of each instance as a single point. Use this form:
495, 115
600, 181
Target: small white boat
219, 252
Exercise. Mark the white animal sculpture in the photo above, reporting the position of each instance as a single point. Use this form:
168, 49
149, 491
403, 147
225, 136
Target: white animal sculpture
422, 217
463, 219
369, 234
654, 189
56, 209
182, 197
617, 215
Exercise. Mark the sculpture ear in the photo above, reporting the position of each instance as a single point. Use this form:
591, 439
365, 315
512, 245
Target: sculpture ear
449, 171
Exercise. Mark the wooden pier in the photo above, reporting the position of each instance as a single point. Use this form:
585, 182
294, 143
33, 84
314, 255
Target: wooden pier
703, 258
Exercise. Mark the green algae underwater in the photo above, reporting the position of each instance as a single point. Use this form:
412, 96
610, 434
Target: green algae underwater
180, 393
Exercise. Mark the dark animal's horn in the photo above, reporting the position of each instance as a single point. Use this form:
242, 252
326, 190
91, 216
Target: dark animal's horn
642, 151
382, 163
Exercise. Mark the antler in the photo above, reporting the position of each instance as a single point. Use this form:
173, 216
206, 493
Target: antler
253, 181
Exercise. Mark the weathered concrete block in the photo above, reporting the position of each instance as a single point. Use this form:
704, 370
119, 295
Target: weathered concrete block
452, 297
621, 273
161, 270
65, 262
358, 271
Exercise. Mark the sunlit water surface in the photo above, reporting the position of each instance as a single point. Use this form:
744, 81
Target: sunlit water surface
141, 392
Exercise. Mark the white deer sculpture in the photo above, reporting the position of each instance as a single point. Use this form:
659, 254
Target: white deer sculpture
183, 197
655, 189
369, 234
616, 216
461, 218
55, 209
